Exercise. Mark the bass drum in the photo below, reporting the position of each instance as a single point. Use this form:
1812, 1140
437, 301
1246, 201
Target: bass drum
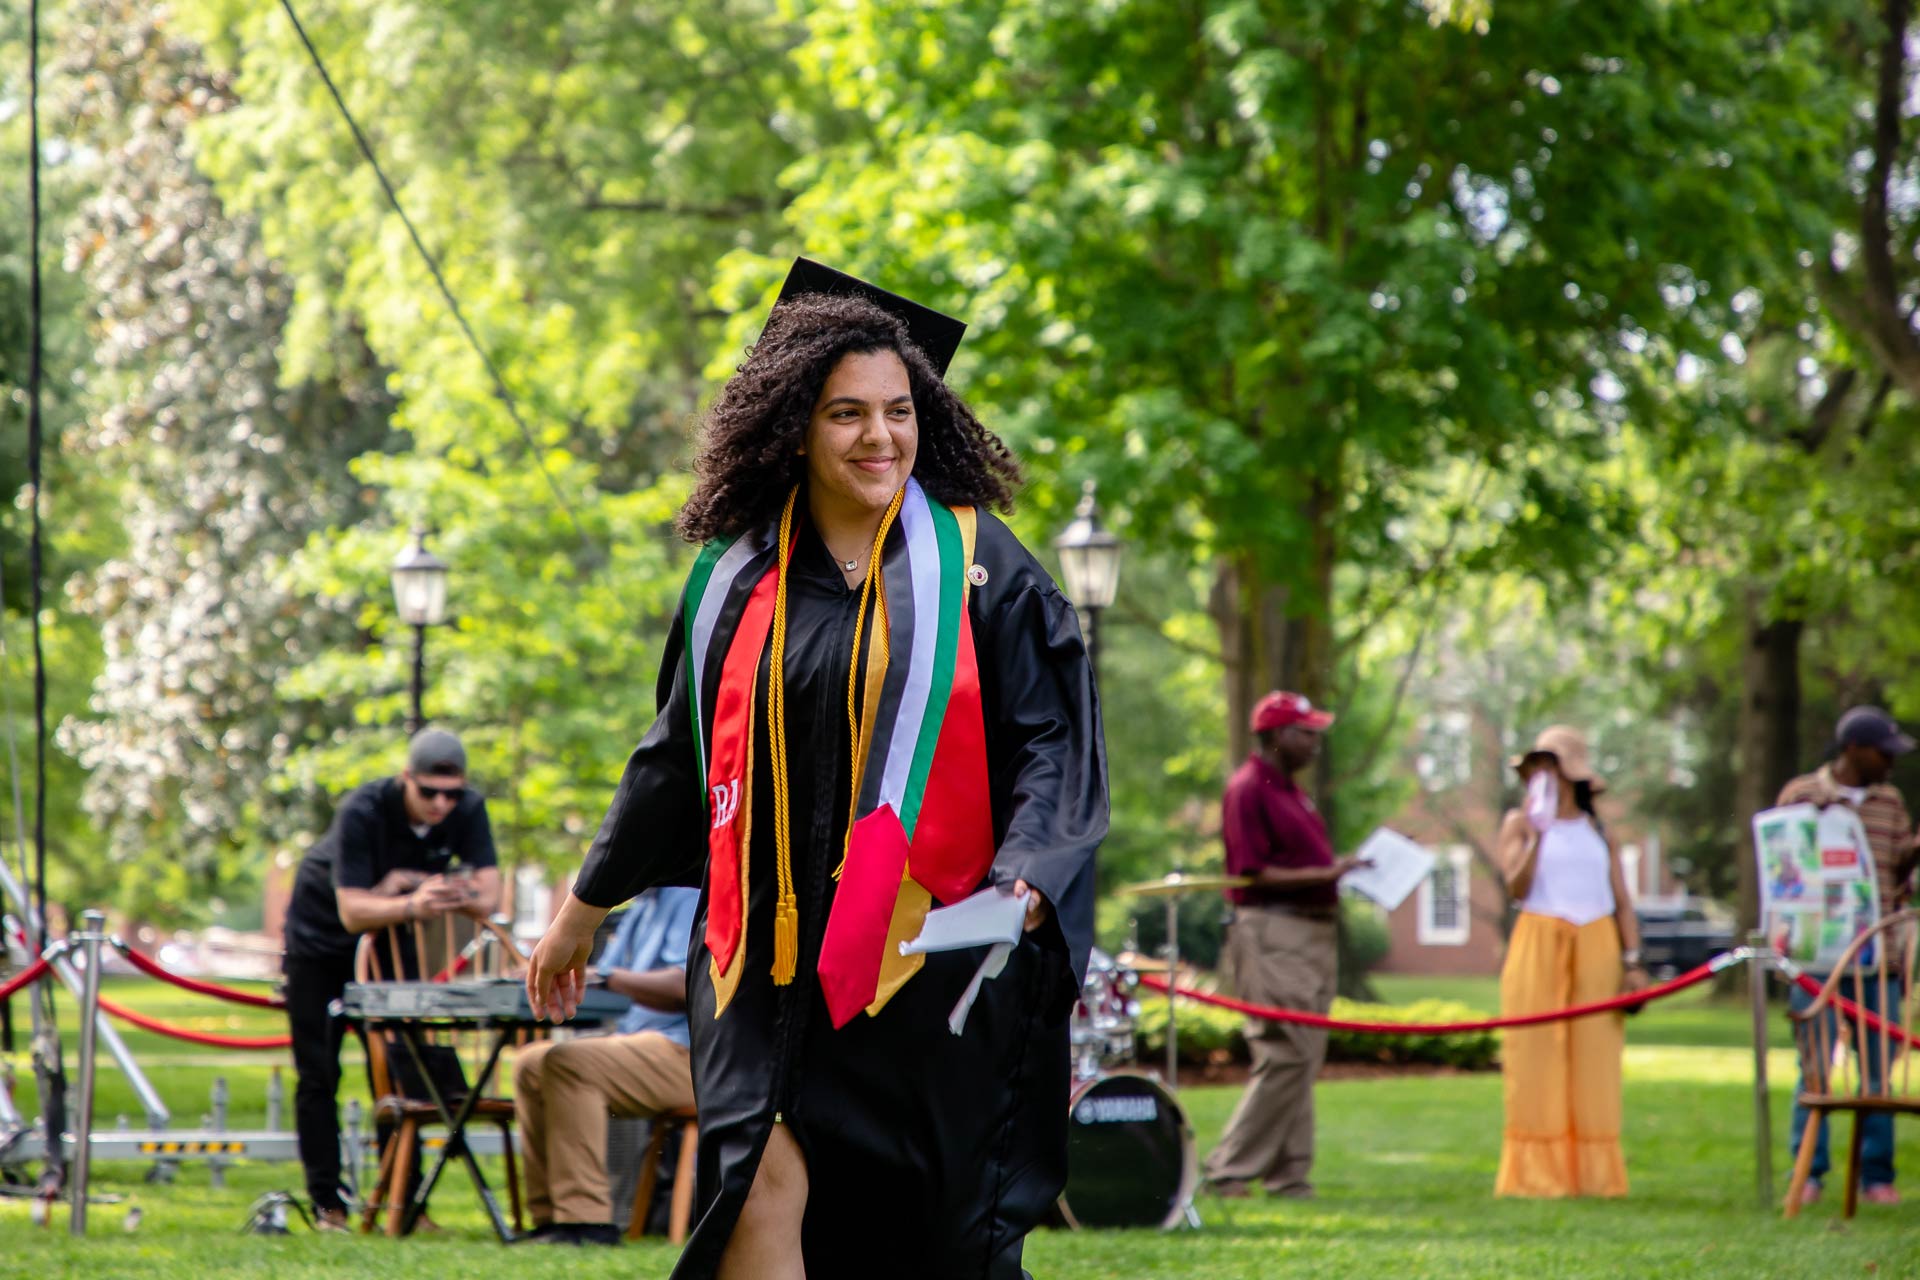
1130, 1159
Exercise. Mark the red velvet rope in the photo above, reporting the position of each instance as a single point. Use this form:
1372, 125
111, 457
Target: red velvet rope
23, 978
453, 970
153, 969
1853, 1010
1271, 1014
207, 1038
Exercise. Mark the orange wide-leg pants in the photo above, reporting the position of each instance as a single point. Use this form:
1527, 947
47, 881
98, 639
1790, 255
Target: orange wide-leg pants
1562, 1134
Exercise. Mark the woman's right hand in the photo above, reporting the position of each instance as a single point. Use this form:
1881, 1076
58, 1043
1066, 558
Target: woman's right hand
557, 969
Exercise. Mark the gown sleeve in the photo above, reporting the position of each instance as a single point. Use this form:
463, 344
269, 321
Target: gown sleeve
654, 832
1046, 754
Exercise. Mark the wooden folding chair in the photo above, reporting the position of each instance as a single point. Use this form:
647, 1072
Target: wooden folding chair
1846, 1062
450, 947
680, 1210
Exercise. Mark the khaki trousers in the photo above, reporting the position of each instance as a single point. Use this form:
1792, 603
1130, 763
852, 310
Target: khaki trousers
1278, 958
562, 1095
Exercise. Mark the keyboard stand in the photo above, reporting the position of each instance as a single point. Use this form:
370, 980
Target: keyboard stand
456, 1123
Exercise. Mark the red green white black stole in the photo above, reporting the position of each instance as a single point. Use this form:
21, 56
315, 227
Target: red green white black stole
922, 827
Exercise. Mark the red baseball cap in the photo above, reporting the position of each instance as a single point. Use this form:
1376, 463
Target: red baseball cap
1278, 710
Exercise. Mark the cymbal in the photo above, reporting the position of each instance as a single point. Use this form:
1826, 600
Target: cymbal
1181, 882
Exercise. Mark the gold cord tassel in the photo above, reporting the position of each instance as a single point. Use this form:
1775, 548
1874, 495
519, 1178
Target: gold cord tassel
786, 939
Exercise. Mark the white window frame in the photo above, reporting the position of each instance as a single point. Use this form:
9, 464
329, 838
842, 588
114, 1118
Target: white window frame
532, 902
1427, 930
1630, 858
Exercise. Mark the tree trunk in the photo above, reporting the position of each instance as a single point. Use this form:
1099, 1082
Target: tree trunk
1249, 616
1272, 637
1769, 736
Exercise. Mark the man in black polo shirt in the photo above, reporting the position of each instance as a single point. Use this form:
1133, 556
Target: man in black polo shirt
383, 861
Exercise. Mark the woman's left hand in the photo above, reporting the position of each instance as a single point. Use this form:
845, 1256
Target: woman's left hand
1634, 979
1036, 904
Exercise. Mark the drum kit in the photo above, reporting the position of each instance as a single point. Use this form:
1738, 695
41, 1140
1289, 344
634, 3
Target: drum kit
1130, 1155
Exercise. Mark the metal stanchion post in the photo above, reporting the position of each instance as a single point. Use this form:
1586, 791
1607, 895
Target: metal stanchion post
1173, 979
216, 1167
91, 936
276, 1099
1758, 963
351, 1159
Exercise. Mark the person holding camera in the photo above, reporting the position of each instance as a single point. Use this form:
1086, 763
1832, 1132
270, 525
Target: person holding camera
1576, 941
399, 850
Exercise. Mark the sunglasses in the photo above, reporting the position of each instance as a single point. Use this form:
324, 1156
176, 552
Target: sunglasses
439, 793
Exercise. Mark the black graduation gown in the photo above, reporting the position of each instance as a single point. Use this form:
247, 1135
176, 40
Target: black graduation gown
928, 1154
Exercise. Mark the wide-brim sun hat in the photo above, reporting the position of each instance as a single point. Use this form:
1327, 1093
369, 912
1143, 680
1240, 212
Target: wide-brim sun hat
1568, 747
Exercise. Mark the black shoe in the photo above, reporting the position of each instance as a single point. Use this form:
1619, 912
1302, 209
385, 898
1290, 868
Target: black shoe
581, 1233
540, 1232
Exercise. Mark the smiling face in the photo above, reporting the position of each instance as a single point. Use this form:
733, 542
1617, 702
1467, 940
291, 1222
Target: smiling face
863, 436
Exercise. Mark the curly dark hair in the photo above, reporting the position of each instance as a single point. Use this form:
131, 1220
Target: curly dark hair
749, 456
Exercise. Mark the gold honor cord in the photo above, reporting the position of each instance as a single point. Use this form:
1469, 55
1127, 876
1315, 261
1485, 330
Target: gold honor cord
859, 726
786, 912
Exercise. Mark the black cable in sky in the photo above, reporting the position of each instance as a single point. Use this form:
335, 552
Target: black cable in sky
46, 1036
393, 198
34, 378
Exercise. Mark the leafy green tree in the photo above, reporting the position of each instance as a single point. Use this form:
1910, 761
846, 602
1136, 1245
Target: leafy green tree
218, 471
1264, 270
577, 172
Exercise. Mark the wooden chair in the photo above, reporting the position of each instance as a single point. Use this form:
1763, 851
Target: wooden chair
1874, 1071
449, 947
680, 1210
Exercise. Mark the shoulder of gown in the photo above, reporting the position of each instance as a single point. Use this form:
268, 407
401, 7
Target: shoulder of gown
1046, 751
654, 832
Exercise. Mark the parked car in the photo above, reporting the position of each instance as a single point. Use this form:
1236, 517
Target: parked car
1680, 932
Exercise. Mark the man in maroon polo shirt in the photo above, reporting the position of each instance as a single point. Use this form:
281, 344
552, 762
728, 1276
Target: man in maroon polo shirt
1281, 947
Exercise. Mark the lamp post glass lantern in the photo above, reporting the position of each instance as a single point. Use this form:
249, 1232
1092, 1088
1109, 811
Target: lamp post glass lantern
1089, 567
420, 598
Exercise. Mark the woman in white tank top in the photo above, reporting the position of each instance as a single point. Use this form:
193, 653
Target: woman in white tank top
1576, 941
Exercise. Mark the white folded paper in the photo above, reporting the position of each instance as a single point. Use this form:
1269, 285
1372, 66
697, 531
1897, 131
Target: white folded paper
1398, 865
989, 916
989, 968
992, 918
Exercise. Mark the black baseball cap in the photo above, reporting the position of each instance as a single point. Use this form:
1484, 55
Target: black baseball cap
937, 335
1871, 727
436, 753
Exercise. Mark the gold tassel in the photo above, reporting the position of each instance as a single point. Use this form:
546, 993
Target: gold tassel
786, 939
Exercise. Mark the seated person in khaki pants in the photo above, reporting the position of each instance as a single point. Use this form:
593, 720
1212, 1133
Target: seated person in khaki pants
563, 1091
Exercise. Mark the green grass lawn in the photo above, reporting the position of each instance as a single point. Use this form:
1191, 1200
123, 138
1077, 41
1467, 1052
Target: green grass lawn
1405, 1172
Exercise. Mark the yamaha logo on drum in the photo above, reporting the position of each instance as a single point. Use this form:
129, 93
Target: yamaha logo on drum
1135, 1109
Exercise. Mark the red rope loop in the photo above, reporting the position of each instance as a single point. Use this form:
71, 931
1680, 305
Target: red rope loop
1852, 1010
153, 969
1271, 1014
207, 1038
26, 977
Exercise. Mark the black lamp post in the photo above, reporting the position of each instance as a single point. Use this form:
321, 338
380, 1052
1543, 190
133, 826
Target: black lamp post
1089, 568
420, 597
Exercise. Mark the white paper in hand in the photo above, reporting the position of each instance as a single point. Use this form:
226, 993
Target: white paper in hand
989, 916
989, 968
1398, 867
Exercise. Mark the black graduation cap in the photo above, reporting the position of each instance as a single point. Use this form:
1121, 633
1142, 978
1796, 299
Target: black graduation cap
938, 336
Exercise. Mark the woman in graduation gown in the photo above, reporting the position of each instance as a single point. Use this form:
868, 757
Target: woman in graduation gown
873, 702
